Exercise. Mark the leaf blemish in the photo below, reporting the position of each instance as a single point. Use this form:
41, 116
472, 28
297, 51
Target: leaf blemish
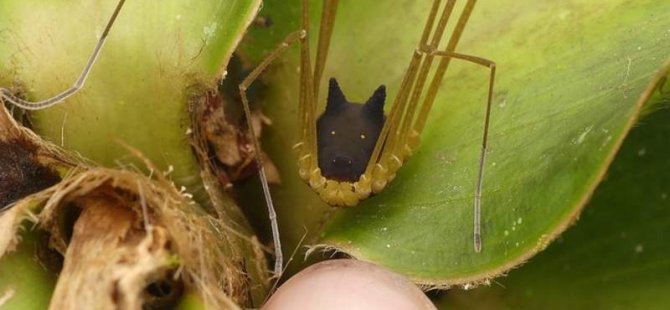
582, 137
210, 31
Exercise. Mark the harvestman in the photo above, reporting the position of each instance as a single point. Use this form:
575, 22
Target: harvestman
340, 175
354, 150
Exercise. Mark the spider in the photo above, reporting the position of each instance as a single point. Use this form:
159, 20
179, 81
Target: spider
352, 150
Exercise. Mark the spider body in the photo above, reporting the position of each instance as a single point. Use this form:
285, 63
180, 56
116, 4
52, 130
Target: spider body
332, 156
347, 133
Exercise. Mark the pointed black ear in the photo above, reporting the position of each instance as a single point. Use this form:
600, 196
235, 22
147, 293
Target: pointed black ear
375, 105
336, 97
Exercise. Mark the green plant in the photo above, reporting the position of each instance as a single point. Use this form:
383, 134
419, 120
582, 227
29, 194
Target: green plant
570, 86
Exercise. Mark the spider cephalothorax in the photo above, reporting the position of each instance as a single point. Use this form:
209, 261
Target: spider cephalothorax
347, 133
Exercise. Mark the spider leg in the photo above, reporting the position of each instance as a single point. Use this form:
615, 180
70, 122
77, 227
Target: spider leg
290, 39
400, 100
407, 138
325, 32
407, 135
306, 147
396, 139
403, 126
434, 86
5, 94
477, 237
309, 89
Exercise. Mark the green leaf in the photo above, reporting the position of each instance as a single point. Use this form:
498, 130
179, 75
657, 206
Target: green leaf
138, 90
24, 282
617, 256
569, 79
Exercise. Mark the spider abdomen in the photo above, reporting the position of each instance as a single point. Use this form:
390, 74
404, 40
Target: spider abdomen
347, 133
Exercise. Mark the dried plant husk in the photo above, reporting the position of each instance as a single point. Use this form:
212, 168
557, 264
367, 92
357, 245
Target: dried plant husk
122, 232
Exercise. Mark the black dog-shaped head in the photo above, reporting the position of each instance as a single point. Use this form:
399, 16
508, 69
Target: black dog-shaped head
347, 133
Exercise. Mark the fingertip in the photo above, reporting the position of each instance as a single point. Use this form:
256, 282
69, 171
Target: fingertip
348, 284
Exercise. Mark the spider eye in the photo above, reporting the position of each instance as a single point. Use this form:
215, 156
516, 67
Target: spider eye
332, 132
362, 136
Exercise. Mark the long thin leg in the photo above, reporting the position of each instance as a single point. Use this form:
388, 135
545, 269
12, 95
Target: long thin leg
442, 67
477, 236
307, 101
38, 105
404, 131
401, 97
290, 39
325, 33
